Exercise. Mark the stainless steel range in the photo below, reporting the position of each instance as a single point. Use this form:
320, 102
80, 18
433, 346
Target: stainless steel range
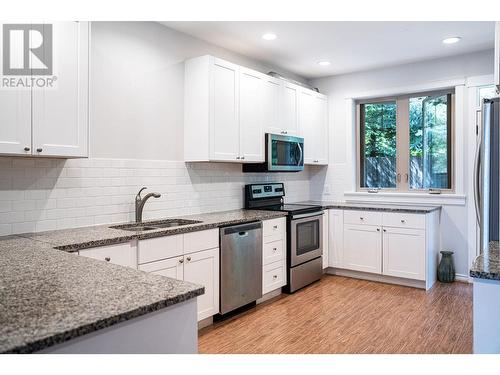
304, 232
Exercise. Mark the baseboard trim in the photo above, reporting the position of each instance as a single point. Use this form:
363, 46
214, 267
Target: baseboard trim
379, 278
270, 295
205, 322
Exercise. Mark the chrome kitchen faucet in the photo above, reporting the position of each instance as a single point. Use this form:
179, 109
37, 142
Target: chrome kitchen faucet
140, 202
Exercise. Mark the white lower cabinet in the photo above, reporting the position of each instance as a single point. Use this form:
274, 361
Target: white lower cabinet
171, 267
124, 254
362, 248
392, 244
326, 235
335, 238
273, 277
273, 254
203, 268
404, 253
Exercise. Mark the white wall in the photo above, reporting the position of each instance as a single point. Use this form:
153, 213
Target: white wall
137, 88
333, 182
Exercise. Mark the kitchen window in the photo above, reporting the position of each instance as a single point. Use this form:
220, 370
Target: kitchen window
405, 142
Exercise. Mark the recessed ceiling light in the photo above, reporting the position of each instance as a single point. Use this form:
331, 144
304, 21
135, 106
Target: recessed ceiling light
452, 40
324, 63
269, 36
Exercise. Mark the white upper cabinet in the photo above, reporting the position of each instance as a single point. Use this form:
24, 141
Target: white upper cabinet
224, 125
272, 104
223, 112
51, 119
290, 109
307, 125
60, 114
15, 120
313, 125
229, 108
251, 115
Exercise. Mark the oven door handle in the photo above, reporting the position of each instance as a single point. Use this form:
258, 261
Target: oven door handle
310, 214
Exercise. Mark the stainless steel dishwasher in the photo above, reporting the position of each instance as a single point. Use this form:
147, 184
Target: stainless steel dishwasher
240, 265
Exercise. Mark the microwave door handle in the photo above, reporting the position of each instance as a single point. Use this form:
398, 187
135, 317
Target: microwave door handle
301, 154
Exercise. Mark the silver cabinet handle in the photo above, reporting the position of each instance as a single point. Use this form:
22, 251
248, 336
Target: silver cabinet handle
188, 259
237, 158
275, 276
107, 259
242, 158
181, 260
27, 149
378, 229
403, 221
361, 218
275, 248
385, 230
39, 149
275, 227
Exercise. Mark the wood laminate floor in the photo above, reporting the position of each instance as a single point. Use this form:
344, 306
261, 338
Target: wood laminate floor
343, 315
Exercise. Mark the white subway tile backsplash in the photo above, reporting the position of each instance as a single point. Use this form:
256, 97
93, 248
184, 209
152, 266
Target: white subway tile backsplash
46, 194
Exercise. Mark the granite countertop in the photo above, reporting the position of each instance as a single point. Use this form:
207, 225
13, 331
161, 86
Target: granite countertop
487, 266
83, 238
48, 296
373, 207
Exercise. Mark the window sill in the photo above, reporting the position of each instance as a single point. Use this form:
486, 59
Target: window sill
406, 198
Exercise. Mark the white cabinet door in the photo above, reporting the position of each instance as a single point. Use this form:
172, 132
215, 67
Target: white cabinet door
60, 114
225, 133
290, 106
336, 238
172, 267
363, 248
321, 132
251, 116
122, 254
307, 124
326, 238
272, 104
203, 268
404, 253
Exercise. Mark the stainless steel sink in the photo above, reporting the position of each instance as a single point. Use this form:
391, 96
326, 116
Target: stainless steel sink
151, 225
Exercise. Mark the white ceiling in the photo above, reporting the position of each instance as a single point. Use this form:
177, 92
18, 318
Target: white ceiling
350, 46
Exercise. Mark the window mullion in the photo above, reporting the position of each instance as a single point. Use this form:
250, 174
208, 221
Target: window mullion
403, 144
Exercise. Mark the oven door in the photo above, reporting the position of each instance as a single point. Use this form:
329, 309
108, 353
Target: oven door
284, 153
306, 237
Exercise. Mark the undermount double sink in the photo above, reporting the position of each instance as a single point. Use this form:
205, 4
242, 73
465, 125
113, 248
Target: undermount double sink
152, 225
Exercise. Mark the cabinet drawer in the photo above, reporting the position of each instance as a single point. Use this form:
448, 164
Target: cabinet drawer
273, 252
202, 240
403, 220
122, 254
275, 228
160, 248
363, 217
273, 277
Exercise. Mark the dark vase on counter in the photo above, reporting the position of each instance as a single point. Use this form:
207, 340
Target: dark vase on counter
446, 268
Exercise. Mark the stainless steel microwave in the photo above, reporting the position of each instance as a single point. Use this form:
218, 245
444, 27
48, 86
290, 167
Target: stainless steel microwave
284, 153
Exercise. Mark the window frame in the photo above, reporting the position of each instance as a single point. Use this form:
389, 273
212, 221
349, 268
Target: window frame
403, 141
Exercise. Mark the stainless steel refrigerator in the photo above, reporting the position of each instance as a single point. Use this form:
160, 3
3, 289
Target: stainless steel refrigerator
487, 174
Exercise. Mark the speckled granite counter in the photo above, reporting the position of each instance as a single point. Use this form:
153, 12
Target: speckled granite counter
374, 207
49, 296
103, 235
487, 266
